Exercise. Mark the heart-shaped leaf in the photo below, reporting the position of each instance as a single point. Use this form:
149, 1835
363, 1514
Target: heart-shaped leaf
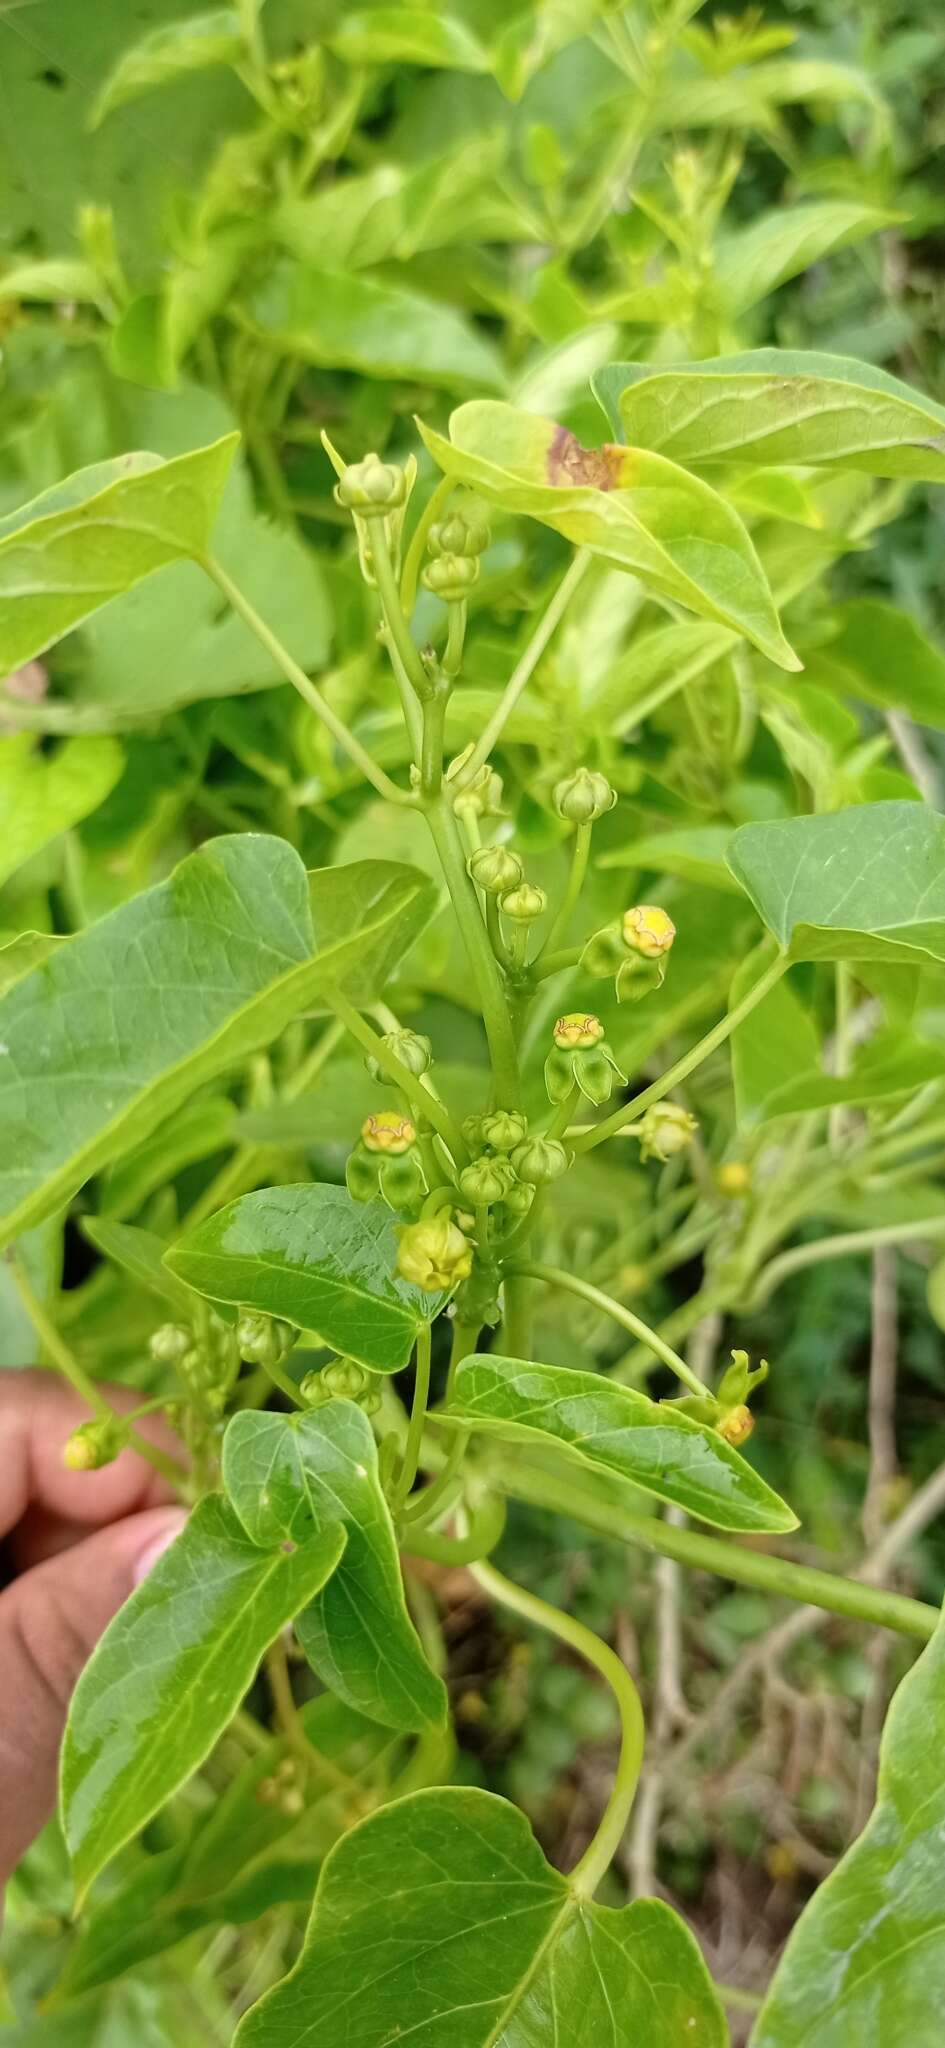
440, 1918
292, 1475
310, 1254
630, 506
621, 1430
777, 405
97, 534
171, 1670
862, 884
143, 1007
866, 1961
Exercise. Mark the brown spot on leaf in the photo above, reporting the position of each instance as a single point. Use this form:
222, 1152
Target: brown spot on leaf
569, 462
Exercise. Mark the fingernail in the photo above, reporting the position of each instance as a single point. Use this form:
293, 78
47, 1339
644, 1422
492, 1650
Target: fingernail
170, 1528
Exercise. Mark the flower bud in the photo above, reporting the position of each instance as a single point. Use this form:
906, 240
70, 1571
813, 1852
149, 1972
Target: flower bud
371, 487
583, 797
370, 1401
485, 1180
413, 1050
502, 1128
733, 1178
458, 534
496, 869
539, 1160
472, 1131
387, 1131
736, 1425
481, 797
519, 1197
666, 1129
313, 1390
524, 903
264, 1340
433, 1254
344, 1379
95, 1443
168, 1344
580, 1057
451, 577
648, 930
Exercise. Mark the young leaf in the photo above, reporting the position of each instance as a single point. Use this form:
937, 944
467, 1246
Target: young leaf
862, 884
777, 405
175, 986
86, 540
439, 1917
311, 1254
380, 330
754, 261
408, 35
634, 508
866, 1961
43, 794
292, 1475
171, 1670
169, 53
661, 1450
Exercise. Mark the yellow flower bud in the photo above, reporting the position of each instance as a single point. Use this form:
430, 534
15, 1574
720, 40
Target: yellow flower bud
577, 1031
737, 1425
733, 1178
387, 1131
433, 1254
648, 930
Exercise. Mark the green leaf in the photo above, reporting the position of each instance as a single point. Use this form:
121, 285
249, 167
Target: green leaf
439, 1917
89, 539
777, 1040
889, 659
20, 955
890, 1064
311, 1254
633, 508
696, 852
169, 53
248, 1854
170, 1671
408, 35
380, 330
778, 245
54, 280
866, 1961
141, 1254
777, 405
177, 985
42, 794
862, 884
295, 1475
603, 1425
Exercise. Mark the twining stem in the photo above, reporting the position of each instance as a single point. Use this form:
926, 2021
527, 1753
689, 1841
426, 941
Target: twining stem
584, 1501
495, 1010
586, 1875
557, 1276
627, 1114
65, 1362
839, 1247
580, 854
526, 665
306, 688
418, 1416
516, 1312
484, 1531
423, 1100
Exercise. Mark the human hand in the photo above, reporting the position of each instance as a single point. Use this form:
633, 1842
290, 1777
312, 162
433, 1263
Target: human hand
75, 1544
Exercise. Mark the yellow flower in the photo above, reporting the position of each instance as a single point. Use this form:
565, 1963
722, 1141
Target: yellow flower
648, 930
737, 1425
576, 1031
387, 1131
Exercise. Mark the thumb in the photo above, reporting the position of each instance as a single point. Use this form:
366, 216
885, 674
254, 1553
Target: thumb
50, 1621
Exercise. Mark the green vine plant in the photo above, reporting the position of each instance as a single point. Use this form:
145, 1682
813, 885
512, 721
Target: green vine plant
435, 1914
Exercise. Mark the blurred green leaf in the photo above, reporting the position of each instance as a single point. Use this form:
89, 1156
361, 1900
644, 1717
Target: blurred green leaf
42, 793
864, 884
168, 53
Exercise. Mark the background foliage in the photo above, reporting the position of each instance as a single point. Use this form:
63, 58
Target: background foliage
315, 217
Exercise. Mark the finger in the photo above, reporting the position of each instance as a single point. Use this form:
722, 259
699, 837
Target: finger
50, 1621
37, 1414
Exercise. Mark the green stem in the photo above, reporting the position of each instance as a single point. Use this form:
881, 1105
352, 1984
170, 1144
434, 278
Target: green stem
580, 855
482, 960
418, 1416
583, 1501
555, 963
526, 664
65, 1362
516, 1312
423, 1101
394, 619
306, 688
556, 1276
286, 1384
586, 1875
628, 1113
839, 1247
414, 555
455, 638
431, 744
484, 1532
563, 1114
